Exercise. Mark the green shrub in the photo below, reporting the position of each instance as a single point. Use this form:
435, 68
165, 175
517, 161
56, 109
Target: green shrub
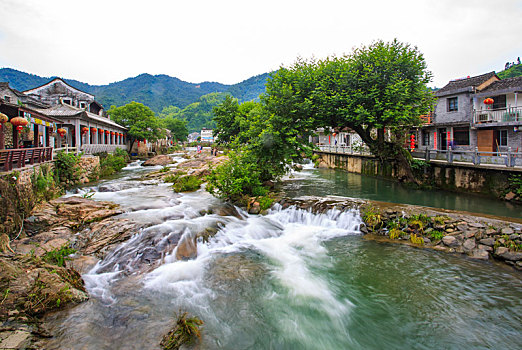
416, 240
118, 152
265, 202
111, 164
44, 184
372, 218
59, 256
436, 235
66, 168
172, 178
164, 169
395, 233
187, 184
237, 177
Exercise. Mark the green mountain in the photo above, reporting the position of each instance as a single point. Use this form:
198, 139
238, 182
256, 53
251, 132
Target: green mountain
154, 91
514, 71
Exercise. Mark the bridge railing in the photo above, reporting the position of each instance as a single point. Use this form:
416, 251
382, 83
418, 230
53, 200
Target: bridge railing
92, 149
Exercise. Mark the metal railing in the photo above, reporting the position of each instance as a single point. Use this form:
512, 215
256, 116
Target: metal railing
476, 157
507, 158
92, 149
512, 114
343, 149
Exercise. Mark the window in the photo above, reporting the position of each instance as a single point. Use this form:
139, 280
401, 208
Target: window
83, 104
425, 137
7, 98
67, 101
502, 138
461, 136
453, 104
499, 102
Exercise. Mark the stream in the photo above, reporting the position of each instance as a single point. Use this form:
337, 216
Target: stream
287, 280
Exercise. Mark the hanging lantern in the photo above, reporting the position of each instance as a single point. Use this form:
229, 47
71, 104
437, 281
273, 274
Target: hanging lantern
334, 134
61, 132
112, 133
138, 143
412, 142
19, 122
488, 101
93, 130
106, 132
100, 131
144, 142
85, 130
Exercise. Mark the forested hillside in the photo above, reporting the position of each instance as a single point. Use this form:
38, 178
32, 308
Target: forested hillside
154, 91
514, 71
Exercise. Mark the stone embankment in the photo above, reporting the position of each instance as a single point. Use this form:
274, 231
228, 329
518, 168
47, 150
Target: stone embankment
475, 237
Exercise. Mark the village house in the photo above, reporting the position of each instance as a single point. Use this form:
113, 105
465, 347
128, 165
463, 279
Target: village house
481, 113
87, 126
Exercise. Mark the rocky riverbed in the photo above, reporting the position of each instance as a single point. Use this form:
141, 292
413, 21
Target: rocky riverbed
40, 275
475, 237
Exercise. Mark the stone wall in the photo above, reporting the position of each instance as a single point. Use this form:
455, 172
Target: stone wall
90, 166
466, 178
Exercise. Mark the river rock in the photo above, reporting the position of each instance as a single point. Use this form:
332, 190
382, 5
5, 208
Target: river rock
187, 248
255, 208
507, 231
476, 225
506, 254
18, 339
450, 241
485, 247
488, 241
161, 159
468, 245
479, 254
36, 286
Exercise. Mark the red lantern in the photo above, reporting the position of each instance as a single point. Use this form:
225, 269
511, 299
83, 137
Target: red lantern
138, 143
19, 122
488, 101
93, 130
85, 130
112, 133
106, 132
144, 142
100, 131
62, 132
412, 142
334, 134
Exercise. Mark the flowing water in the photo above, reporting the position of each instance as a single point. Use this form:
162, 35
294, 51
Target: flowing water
287, 280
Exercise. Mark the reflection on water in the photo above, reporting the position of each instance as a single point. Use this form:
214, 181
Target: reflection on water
321, 182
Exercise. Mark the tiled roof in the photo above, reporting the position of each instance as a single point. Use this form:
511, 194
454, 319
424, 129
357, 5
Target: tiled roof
65, 110
464, 83
510, 83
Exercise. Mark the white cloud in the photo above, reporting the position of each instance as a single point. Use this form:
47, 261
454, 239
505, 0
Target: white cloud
228, 41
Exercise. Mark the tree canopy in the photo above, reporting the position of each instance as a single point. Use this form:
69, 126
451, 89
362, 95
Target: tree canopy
140, 121
379, 91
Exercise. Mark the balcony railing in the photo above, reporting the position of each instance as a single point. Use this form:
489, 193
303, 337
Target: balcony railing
343, 149
19, 158
98, 148
504, 115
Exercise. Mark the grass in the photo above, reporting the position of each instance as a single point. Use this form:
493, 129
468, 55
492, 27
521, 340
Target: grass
186, 331
59, 256
187, 184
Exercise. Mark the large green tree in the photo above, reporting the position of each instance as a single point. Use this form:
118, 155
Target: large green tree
178, 128
140, 121
379, 91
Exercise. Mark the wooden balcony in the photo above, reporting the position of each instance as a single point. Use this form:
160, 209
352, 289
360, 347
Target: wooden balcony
18, 158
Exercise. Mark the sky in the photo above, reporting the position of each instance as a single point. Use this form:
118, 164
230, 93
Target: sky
228, 41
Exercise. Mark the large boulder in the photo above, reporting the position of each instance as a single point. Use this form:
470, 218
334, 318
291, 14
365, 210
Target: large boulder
187, 247
450, 241
161, 159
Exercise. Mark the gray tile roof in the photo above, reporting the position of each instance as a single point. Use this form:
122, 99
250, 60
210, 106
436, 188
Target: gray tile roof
464, 83
505, 84
67, 111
